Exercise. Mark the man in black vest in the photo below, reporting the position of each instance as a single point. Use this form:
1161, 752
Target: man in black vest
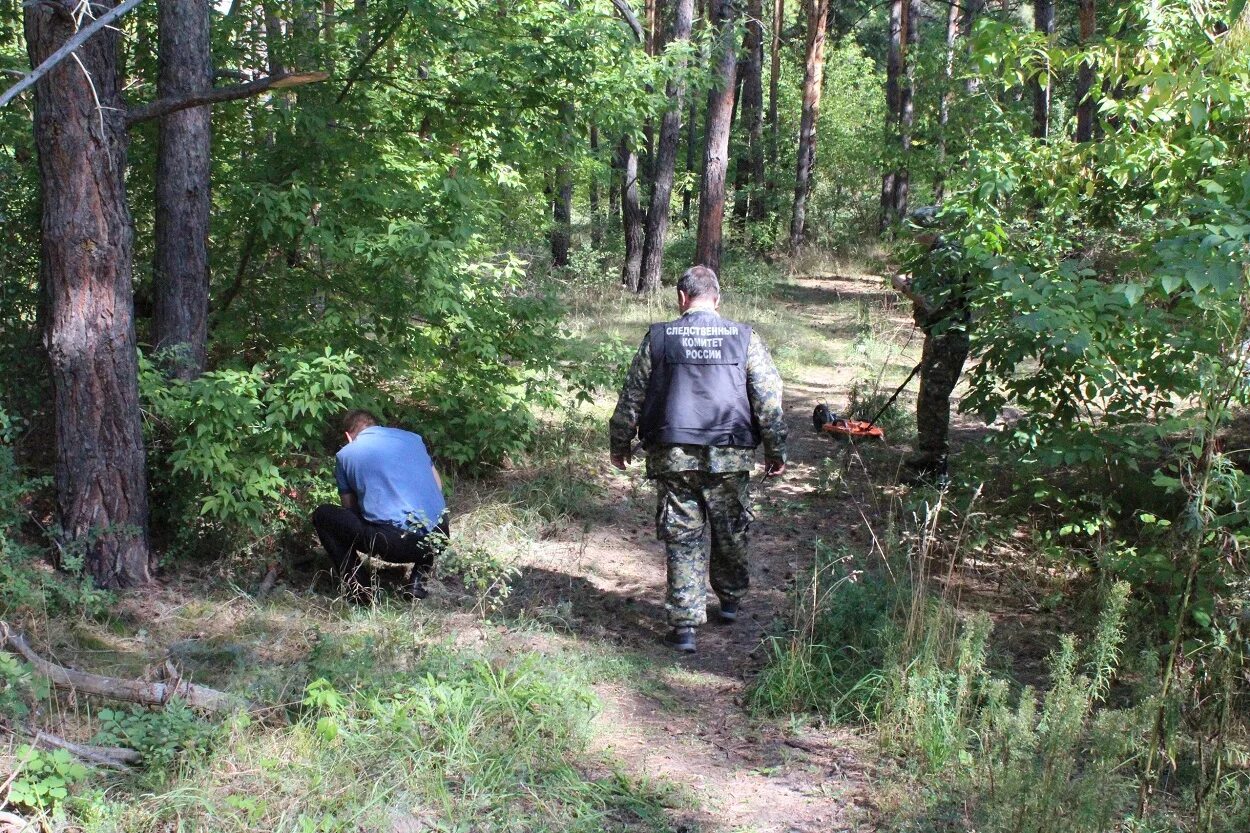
702, 393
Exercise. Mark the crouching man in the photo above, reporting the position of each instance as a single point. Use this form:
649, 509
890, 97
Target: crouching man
392, 505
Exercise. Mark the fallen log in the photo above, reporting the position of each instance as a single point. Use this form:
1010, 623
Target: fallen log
130, 691
111, 757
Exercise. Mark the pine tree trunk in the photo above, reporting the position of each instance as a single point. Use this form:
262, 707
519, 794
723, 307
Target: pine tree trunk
183, 167
631, 216
666, 160
86, 262
813, 81
720, 101
948, 94
1044, 23
1085, 103
893, 87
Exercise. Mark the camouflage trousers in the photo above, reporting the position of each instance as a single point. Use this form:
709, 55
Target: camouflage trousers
944, 357
690, 502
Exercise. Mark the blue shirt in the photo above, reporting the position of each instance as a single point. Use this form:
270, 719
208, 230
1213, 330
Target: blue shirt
391, 474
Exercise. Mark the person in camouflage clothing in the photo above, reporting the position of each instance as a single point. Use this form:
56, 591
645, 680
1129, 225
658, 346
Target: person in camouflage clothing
702, 393
938, 292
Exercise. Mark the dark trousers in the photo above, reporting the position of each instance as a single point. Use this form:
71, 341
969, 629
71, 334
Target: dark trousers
943, 360
344, 532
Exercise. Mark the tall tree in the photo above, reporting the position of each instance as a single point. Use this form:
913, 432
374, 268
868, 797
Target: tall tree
1044, 23
666, 157
631, 215
813, 81
1085, 112
904, 35
183, 163
720, 102
750, 199
87, 249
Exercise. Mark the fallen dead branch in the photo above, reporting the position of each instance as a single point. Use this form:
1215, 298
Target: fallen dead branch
130, 691
111, 757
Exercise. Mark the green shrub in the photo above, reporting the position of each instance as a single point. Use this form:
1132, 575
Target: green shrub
240, 451
43, 779
162, 737
832, 657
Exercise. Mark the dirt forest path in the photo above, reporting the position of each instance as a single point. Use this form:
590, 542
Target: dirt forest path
681, 720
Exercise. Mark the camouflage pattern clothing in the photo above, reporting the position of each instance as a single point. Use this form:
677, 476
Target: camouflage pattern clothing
703, 488
939, 298
686, 498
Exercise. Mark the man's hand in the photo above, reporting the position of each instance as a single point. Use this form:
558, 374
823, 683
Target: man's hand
774, 468
622, 460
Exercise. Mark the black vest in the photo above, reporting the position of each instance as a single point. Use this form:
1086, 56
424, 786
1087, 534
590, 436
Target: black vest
697, 393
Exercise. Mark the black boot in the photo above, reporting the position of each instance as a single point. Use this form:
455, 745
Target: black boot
728, 612
681, 639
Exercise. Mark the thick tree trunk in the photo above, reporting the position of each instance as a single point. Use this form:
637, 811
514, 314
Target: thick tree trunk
183, 163
893, 86
1044, 23
813, 81
631, 216
666, 160
1085, 103
720, 102
948, 94
86, 262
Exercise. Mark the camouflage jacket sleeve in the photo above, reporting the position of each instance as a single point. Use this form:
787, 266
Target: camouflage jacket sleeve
624, 423
764, 391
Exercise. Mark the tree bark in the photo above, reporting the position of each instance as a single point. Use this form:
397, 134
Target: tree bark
183, 164
631, 216
1085, 103
948, 94
720, 101
666, 159
86, 265
1044, 23
813, 80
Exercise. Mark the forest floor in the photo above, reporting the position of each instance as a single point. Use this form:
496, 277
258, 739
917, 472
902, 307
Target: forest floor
587, 601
